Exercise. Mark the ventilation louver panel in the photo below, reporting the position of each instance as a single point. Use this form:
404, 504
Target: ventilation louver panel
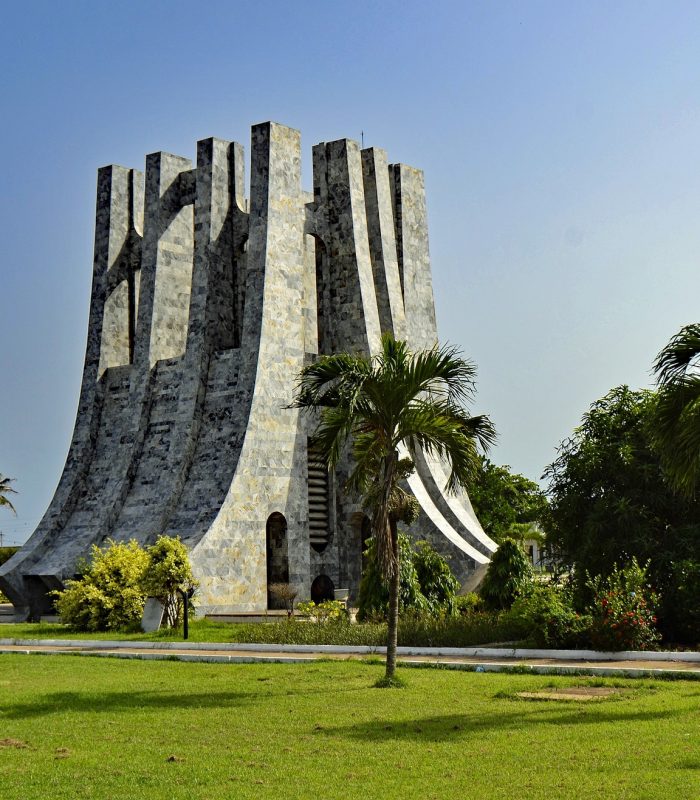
319, 533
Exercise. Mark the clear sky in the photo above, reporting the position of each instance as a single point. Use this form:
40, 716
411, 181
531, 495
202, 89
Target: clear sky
560, 143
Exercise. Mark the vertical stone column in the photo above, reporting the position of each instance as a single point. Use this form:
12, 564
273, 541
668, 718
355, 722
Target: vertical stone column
220, 225
382, 242
411, 218
123, 261
353, 318
230, 560
166, 263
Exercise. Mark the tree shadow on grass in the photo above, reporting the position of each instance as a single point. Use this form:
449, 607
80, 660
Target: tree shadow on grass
116, 702
129, 701
455, 726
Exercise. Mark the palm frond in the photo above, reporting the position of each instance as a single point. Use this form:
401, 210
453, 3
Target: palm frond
6, 489
395, 398
676, 432
679, 355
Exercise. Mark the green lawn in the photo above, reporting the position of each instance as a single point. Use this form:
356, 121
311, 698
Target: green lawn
100, 728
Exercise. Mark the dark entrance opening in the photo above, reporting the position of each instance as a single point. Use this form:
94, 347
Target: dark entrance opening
277, 557
322, 589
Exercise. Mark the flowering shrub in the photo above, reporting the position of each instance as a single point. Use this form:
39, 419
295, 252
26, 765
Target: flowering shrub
322, 613
624, 609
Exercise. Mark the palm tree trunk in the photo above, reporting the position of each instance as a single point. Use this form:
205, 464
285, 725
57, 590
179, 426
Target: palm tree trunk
393, 622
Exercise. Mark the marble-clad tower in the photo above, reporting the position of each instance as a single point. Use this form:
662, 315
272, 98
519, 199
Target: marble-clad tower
205, 307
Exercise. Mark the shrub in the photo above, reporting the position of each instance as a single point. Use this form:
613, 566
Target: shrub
508, 574
373, 600
463, 630
109, 596
6, 553
624, 609
168, 572
466, 603
285, 594
545, 617
423, 630
435, 578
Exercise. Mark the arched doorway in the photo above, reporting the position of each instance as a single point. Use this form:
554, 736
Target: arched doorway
277, 557
322, 589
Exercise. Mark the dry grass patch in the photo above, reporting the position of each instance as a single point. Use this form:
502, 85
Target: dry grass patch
581, 693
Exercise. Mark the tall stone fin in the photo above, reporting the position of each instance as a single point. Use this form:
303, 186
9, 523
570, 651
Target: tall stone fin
269, 477
173, 306
411, 217
352, 316
382, 242
220, 229
449, 515
166, 263
130, 504
23, 578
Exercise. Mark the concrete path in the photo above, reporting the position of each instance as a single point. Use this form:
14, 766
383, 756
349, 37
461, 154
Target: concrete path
630, 664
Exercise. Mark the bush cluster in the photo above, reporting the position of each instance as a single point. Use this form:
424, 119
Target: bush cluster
114, 585
620, 613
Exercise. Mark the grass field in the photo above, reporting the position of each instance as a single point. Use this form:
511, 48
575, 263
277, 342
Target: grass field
100, 728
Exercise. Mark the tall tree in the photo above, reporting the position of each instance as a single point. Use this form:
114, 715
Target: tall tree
6, 489
395, 401
609, 497
676, 421
506, 503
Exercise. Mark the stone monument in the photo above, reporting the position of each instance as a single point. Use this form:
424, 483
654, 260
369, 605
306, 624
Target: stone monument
205, 306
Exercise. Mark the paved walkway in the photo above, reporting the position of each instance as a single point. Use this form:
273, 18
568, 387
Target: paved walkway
473, 659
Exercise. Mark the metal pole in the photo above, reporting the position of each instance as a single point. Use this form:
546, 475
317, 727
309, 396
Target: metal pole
186, 614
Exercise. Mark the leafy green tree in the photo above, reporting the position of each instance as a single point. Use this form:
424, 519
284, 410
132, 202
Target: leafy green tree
507, 504
6, 553
167, 574
507, 576
676, 424
392, 401
6, 489
610, 500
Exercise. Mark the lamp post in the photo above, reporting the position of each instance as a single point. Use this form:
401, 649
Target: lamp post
186, 595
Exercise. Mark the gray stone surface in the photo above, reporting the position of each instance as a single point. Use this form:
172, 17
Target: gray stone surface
205, 306
152, 615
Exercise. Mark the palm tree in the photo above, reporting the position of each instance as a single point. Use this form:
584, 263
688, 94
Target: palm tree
393, 403
6, 489
677, 412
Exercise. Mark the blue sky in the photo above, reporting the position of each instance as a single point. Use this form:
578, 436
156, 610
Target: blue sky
560, 143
